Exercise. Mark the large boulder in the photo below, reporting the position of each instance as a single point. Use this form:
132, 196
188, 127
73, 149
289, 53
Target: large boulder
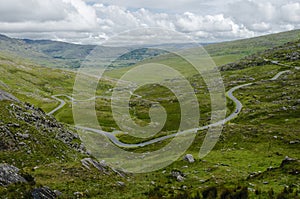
9, 175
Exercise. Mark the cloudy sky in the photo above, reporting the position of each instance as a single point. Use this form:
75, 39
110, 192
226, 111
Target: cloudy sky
94, 21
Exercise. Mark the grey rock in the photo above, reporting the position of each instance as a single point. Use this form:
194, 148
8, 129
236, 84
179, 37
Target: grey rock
88, 162
6, 96
294, 142
180, 178
77, 193
57, 193
189, 158
287, 160
121, 184
43, 193
24, 136
178, 175
9, 175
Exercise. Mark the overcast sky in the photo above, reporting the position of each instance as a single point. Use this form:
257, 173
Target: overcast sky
94, 21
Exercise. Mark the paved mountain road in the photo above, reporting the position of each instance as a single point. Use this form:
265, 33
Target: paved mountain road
112, 136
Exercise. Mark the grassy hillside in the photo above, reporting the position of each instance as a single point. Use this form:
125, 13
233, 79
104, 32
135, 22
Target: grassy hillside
56, 54
223, 53
253, 45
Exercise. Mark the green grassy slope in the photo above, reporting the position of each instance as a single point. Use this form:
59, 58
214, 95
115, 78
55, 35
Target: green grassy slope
223, 53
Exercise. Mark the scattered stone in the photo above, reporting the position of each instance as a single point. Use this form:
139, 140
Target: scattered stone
43, 193
286, 161
87, 162
204, 181
178, 175
270, 168
24, 136
119, 172
78, 194
9, 175
22, 143
189, 158
180, 178
121, 184
294, 142
57, 193
35, 168
251, 189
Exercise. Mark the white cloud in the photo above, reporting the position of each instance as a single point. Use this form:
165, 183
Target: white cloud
116, 19
260, 27
265, 16
20, 11
82, 21
291, 12
46, 16
190, 22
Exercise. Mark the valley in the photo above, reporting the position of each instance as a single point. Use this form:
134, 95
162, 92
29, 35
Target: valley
256, 156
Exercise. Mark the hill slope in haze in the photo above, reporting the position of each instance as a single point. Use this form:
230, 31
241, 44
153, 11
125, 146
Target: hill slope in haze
66, 55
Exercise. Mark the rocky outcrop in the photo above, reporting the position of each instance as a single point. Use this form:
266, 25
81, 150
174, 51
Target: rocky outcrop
9, 175
101, 166
88, 162
45, 124
43, 193
6, 96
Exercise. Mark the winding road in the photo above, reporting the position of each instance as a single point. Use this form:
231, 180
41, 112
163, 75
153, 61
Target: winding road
114, 139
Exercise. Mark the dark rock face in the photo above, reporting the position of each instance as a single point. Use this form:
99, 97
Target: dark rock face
43, 193
9, 175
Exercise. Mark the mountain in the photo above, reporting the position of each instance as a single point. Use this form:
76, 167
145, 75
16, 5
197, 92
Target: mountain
66, 55
44, 52
250, 46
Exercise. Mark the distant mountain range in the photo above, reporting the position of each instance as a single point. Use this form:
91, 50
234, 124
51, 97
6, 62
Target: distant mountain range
66, 55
